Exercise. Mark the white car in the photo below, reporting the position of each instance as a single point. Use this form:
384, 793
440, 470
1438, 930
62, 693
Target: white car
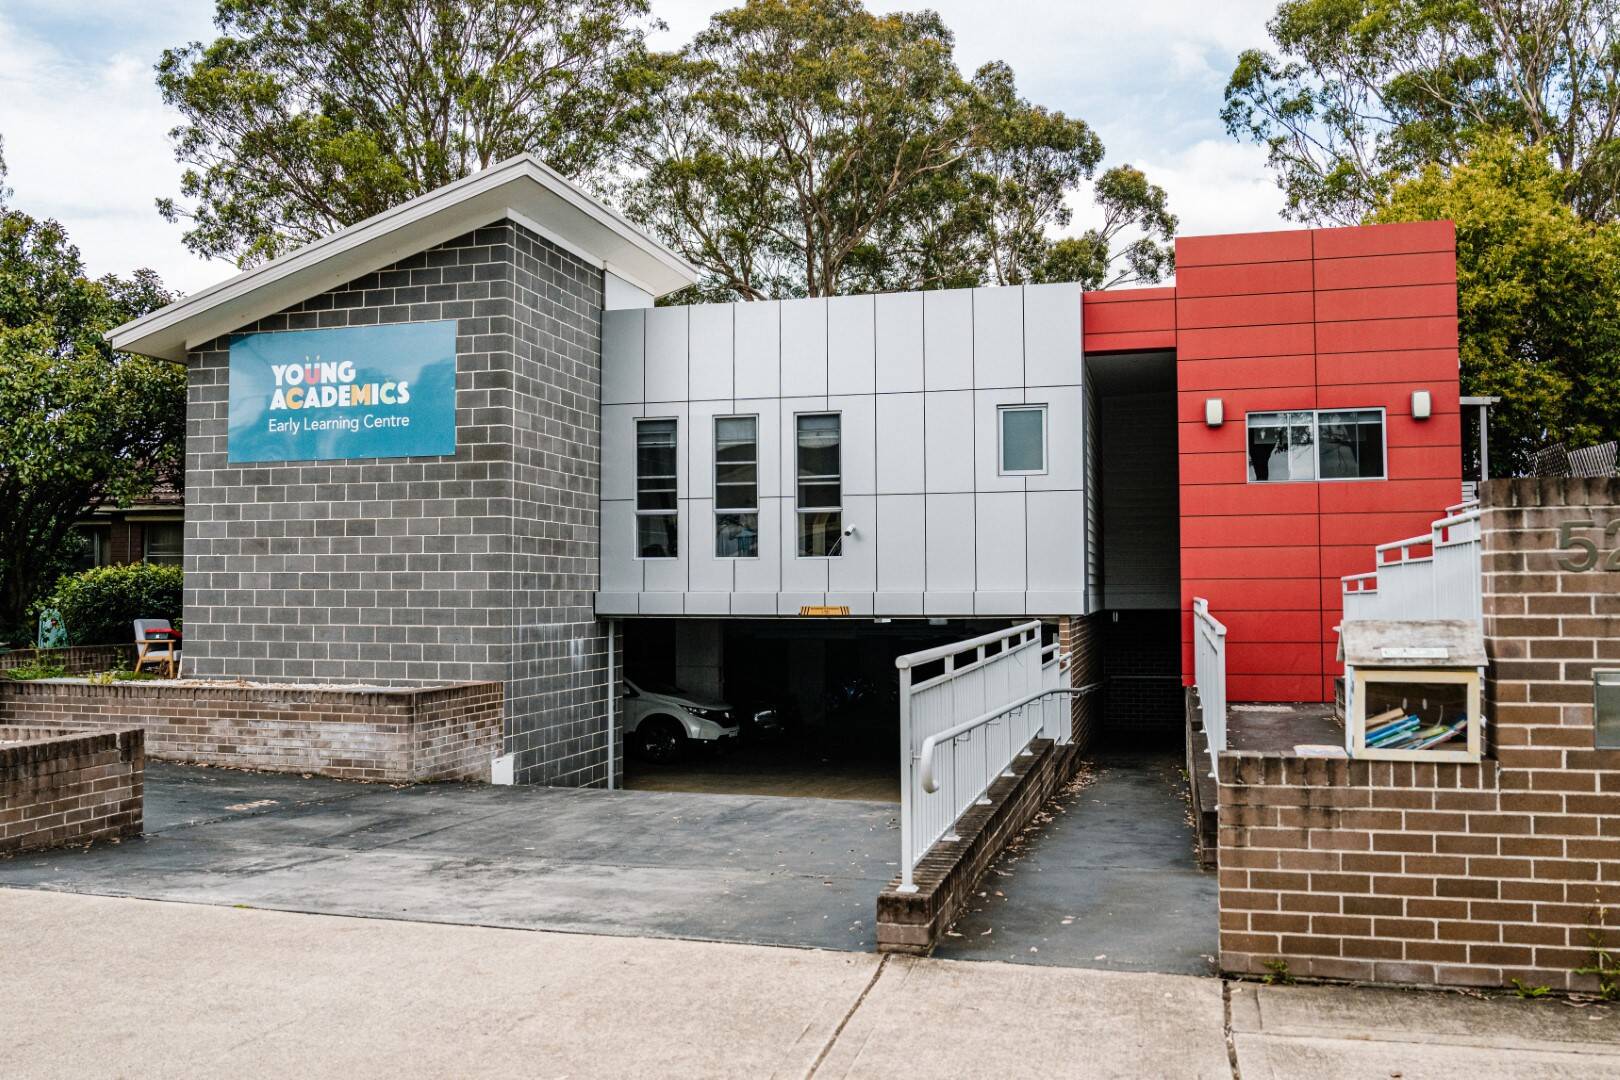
658, 720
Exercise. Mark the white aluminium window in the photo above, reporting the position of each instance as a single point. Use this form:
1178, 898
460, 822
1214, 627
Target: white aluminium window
1327, 444
736, 487
657, 505
1022, 439
820, 485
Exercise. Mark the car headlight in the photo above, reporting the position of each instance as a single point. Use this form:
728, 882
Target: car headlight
716, 716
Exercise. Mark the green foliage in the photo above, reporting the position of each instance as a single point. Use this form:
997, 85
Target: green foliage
812, 147
80, 426
1538, 292
1525, 992
1277, 973
36, 669
1605, 965
1359, 94
304, 116
101, 604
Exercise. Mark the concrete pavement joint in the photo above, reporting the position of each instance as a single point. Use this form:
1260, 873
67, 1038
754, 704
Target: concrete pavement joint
1226, 1023
832, 1040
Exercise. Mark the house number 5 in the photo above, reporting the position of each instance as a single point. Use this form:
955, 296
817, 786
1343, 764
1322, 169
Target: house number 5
1590, 554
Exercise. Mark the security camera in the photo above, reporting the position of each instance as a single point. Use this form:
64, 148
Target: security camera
850, 531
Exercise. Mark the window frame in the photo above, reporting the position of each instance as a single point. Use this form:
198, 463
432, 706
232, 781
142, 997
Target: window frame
800, 511
1316, 444
733, 511
635, 501
1001, 438
178, 557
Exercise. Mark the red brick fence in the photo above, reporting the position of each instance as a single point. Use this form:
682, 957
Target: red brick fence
63, 787
1471, 874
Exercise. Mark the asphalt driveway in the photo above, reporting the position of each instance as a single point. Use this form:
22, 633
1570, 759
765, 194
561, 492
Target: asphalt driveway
755, 869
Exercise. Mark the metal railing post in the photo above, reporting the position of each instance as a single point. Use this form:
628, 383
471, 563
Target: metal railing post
908, 761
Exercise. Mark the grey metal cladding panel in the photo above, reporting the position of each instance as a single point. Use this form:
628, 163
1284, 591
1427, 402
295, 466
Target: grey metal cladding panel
758, 349
902, 555
950, 542
899, 334
621, 571
623, 351
998, 337
1053, 353
948, 339
851, 361
1056, 541
712, 361
949, 440
619, 451
804, 347
999, 560
668, 335
899, 438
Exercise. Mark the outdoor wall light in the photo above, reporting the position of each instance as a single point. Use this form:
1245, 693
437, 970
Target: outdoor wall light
1214, 412
1422, 405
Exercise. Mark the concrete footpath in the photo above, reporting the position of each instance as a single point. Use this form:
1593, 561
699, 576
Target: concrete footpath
108, 986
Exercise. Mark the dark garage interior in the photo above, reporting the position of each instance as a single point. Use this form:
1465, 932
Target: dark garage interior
831, 685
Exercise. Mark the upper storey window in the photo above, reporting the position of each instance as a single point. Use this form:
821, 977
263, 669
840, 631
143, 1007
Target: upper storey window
1342, 444
657, 507
736, 487
820, 485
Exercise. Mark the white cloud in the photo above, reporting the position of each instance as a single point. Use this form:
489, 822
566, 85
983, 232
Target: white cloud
86, 142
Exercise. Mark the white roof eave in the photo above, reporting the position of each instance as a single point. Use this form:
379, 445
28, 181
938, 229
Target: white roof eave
522, 188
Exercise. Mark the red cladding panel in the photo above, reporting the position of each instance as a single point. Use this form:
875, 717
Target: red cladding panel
1246, 341
1192, 251
1124, 318
1245, 279
1398, 239
1263, 310
1373, 335
1129, 320
1400, 302
1271, 530
1415, 365
1381, 271
1248, 373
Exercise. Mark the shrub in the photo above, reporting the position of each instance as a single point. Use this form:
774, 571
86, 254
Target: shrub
36, 669
100, 605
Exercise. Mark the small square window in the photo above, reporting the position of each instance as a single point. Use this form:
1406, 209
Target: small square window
165, 542
1023, 439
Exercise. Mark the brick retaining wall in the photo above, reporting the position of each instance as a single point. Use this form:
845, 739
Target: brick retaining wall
76, 659
1472, 874
64, 787
425, 733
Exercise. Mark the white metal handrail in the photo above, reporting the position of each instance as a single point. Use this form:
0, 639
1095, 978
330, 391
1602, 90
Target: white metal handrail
1007, 683
1209, 674
1444, 583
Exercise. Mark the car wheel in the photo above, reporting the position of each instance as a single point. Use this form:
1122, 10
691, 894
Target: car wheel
662, 739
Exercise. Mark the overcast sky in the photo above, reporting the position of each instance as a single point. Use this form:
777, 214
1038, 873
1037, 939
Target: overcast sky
86, 133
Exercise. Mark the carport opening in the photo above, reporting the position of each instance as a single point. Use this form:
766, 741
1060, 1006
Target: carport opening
816, 704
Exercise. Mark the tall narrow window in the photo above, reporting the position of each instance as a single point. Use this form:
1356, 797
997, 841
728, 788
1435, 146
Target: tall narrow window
1350, 444
821, 489
657, 508
1023, 439
736, 487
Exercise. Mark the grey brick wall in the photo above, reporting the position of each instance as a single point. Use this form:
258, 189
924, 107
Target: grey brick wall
475, 566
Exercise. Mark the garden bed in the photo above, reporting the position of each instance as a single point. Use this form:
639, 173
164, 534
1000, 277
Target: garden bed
443, 732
